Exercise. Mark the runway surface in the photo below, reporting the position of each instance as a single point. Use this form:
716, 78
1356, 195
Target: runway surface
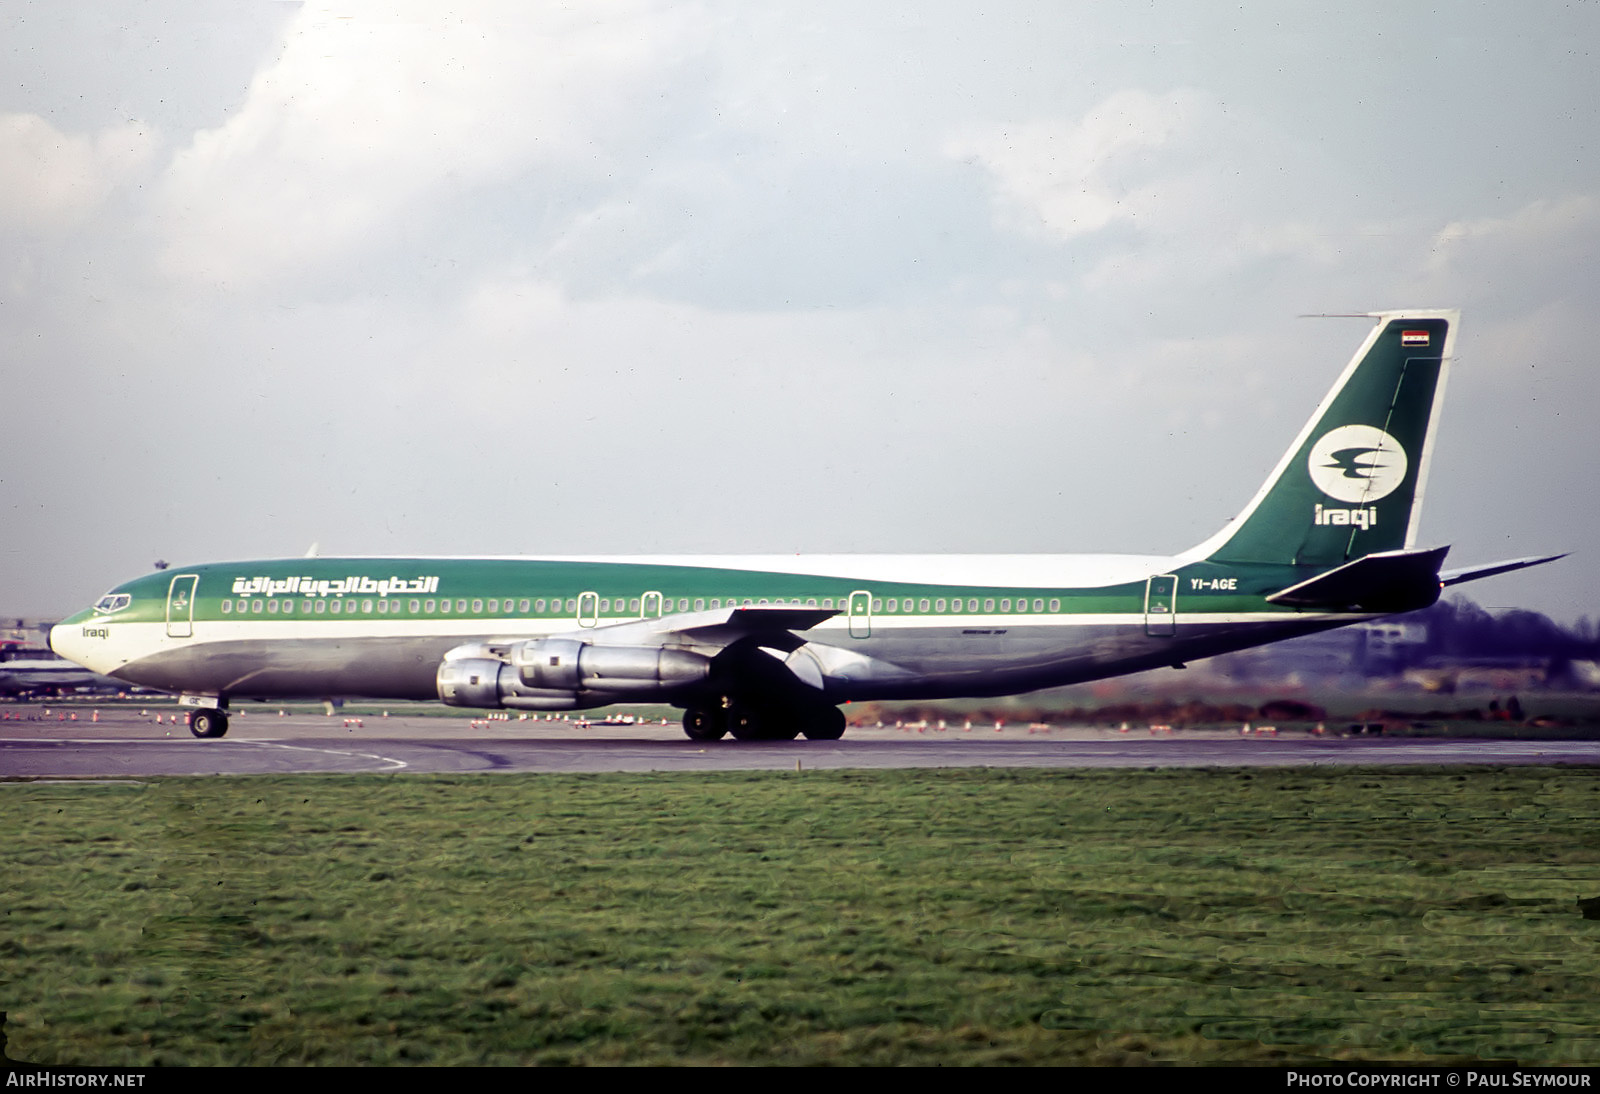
123, 744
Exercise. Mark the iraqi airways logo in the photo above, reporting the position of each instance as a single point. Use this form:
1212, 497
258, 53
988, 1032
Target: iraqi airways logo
1357, 463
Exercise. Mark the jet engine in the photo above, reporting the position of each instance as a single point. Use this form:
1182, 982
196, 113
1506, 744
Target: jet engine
563, 674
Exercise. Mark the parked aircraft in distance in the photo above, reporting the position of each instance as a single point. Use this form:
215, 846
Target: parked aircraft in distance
766, 647
25, 676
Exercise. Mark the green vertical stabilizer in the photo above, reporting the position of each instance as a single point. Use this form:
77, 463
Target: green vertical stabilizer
1351, 484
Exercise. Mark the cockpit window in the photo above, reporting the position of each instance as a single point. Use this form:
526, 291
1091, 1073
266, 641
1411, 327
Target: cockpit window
113, 602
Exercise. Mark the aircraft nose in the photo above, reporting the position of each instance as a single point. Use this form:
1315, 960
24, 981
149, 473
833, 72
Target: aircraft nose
53, 640
67, 642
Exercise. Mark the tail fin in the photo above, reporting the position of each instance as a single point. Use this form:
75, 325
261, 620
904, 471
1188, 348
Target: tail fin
1351, 483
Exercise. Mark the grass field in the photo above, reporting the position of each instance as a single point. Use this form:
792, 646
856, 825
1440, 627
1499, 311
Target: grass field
944, 917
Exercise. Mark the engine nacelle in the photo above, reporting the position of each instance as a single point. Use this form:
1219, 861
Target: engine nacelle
563, 674
487, 683
569, 664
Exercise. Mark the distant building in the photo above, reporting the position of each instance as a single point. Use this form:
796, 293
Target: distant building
1388, 646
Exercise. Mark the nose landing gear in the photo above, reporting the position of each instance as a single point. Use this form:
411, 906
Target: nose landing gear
206, 722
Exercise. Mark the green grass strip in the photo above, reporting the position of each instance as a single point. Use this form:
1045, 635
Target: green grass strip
905, 917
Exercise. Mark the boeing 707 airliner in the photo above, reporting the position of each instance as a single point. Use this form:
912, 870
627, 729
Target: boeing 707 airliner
767, 647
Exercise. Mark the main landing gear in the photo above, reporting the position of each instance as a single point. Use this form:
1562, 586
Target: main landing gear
752, 723
208, 722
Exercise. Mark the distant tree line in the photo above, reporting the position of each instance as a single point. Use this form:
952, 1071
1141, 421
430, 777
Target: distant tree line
1459, 629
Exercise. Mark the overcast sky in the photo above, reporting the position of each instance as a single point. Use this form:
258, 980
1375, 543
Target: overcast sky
810, 277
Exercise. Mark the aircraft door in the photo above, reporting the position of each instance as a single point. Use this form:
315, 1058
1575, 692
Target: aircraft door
860, 614
588, 609
180, 606
651, 606
1161, 606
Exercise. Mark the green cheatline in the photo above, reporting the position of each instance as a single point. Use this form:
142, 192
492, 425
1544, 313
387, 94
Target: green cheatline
813, 917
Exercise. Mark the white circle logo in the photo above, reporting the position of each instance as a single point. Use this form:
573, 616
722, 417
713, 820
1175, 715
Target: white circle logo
1357, 463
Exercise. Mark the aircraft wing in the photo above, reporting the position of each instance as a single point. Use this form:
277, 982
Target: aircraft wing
771, 624
681, 649
1473, 573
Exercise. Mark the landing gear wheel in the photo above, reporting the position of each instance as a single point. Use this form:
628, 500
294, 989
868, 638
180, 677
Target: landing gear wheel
825, 725
701, 724
761, 724
745, 723
208, 723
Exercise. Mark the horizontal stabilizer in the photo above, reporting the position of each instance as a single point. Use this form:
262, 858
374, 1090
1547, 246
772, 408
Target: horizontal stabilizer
1389, 581
1473, 573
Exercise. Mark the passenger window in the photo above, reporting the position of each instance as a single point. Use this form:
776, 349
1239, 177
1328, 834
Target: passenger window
572, 604
972, 605
1038, 605
322, 606
227, 606
272, 607
699, 603
477, 607
1005, 605
366, 606
924, 604
877, 605
522, 607
1055, 605
938, 605
988, 605
633, 605
428, 606
414, 606
494, 605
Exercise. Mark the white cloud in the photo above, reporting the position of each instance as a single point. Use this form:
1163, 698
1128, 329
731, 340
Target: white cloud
1545, 249
50, 179
1066, 179
365, 117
